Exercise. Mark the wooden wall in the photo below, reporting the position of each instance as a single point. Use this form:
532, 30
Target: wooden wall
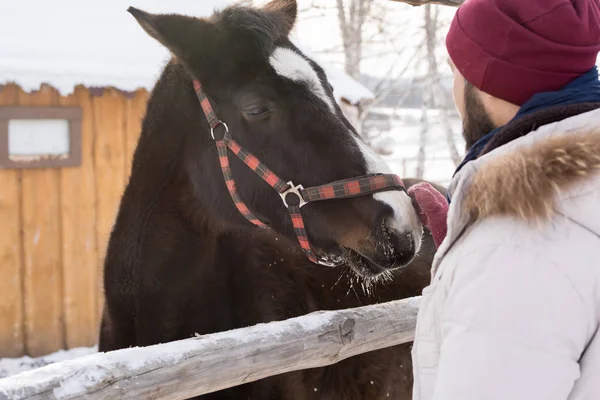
54, 225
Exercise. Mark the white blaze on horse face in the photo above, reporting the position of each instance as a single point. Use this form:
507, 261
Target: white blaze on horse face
405, 218
293, 66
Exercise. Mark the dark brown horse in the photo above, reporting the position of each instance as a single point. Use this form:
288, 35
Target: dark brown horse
182, 260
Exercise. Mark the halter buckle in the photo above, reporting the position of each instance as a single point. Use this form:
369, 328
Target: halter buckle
293, 189
219, 123
329, 262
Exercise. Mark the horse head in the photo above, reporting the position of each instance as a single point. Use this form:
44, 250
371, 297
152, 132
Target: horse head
279, 105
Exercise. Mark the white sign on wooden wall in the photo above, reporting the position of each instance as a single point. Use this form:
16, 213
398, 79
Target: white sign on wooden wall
40, 137
28, 138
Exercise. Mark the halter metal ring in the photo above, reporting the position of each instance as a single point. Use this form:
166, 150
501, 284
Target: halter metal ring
295, 189
219, 123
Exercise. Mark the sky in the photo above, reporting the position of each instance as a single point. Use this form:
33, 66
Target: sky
53, 29
96, 36
68, 42
72, 34
91, 42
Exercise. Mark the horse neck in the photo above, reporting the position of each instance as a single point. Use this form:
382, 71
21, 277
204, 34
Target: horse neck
164, 131
160, 192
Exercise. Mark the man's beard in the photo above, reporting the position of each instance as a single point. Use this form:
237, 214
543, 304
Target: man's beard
477, 122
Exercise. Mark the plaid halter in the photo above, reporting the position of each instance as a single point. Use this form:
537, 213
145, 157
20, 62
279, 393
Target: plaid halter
294, 197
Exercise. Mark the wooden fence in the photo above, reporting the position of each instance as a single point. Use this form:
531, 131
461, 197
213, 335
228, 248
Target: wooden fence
192, 367
55, 223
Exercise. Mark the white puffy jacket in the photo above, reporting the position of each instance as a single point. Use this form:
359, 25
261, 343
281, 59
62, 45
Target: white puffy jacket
513, 309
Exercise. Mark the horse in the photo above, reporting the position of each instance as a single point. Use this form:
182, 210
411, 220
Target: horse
184, 259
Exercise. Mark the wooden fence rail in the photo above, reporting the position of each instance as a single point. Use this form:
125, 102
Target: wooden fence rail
191, 367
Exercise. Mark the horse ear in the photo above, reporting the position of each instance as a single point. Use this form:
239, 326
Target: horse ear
286, 10
176, 32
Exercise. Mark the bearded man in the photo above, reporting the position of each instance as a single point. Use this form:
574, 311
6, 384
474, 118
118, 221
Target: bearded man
513, 309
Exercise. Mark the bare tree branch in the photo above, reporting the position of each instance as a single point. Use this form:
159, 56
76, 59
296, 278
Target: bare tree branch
366, 34
438, 95
383, 87
416, 3
428, 98
435, 94
311, 10
363, 10
317, 7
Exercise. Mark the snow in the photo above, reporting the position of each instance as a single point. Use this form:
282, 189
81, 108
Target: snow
76, 375
12, 366
70, 42
345, 87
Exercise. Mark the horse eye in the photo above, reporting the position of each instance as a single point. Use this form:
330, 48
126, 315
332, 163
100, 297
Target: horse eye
256, 111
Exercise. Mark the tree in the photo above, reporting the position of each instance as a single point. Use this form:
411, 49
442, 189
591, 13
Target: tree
436, 96
429, 26
368, 30
352, 20
371, 29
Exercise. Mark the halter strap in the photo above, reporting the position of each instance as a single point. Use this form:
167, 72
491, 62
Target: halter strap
346, 188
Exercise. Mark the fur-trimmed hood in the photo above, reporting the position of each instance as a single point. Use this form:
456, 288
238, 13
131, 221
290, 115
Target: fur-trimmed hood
528, 177
528, 181
533, 178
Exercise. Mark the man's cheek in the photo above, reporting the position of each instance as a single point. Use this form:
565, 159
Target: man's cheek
458, 93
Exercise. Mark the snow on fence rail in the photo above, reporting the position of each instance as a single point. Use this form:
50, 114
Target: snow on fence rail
191, 367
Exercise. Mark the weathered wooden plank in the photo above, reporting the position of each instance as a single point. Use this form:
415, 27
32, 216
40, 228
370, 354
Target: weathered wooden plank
110, 161
11, 300
192, 367
44, 331
78, 216
136, 108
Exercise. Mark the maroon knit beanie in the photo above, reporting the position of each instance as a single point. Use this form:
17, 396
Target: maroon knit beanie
513, 49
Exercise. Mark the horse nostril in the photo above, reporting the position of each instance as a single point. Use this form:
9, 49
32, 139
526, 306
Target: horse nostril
402, 247
393, 249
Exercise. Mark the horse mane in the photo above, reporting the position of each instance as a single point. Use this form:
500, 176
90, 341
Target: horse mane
266, 29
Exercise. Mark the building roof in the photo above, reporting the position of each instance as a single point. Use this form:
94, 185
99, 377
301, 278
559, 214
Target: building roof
69, 42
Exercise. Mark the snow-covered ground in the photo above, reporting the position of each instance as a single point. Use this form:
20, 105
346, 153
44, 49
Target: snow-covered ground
12, 366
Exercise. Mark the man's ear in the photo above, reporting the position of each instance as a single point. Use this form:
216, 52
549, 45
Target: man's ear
180, 34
